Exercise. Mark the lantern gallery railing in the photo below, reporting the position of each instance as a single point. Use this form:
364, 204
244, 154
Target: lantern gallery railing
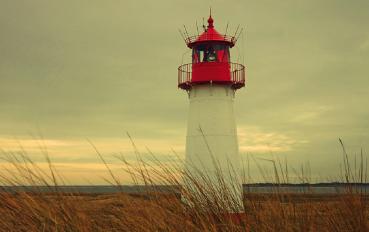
237, 76
185, 76
195, 38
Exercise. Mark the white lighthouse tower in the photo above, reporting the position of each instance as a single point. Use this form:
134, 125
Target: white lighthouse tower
211, 81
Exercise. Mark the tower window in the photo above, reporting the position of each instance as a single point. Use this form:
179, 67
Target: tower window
210, 53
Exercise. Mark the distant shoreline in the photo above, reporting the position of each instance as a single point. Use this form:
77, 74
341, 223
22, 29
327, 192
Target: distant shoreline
319, 188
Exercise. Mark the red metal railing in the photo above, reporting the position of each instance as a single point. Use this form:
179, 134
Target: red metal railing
237, 76
192, 39
185, 76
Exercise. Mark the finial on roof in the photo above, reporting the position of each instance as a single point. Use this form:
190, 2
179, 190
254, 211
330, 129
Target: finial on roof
210, 21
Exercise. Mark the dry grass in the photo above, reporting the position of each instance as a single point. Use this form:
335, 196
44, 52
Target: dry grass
208, 207
165, 212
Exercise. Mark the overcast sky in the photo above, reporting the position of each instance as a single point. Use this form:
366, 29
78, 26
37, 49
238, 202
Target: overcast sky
77, 70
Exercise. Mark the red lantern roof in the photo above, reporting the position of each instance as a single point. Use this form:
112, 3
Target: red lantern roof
210, 35
211, 63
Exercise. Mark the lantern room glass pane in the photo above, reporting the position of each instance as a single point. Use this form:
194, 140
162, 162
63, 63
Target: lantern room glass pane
210, 53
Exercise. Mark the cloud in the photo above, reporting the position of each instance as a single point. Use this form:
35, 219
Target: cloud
99, 69
310, 113
77, 150
76, 161
256, 140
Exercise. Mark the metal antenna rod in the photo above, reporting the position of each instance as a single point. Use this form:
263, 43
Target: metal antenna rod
226, 29
236, 30
183, 37
197, 28
203, 24
239, 34
186, 31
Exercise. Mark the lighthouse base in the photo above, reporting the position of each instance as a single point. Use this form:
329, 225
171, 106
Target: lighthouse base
212, 162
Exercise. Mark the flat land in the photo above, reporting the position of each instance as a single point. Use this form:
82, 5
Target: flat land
164, 212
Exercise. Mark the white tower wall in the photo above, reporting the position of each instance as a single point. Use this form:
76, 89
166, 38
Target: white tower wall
211, 144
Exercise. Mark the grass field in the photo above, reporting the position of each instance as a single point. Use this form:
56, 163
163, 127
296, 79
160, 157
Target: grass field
166, 212
207, 206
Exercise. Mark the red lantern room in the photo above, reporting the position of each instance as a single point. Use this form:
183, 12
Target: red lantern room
211, 61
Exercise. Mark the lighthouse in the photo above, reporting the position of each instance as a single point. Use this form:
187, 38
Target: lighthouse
211, 81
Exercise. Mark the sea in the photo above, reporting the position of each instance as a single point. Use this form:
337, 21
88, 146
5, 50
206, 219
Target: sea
318, 188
